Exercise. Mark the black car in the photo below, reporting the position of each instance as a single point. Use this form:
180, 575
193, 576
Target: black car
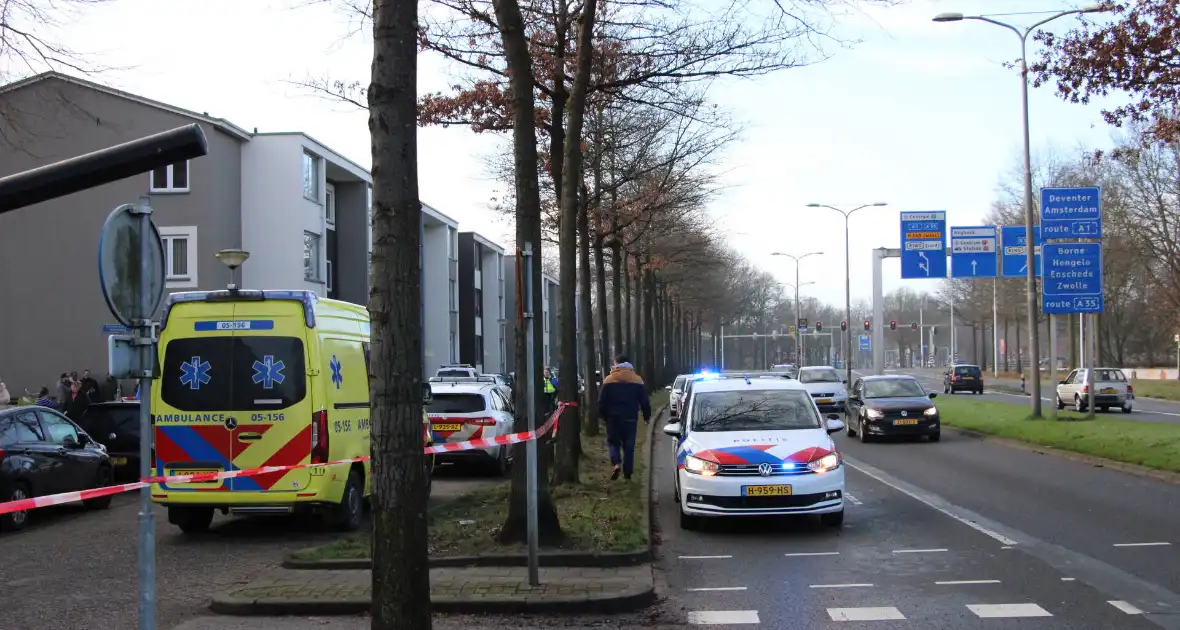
115, 425
880, 406
962, 378
42, 452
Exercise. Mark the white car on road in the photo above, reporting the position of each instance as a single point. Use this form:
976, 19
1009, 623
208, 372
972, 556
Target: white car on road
1111, 389
825, 386
756, 447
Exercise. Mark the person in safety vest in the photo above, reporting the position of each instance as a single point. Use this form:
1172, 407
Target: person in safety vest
549, 382
622, 397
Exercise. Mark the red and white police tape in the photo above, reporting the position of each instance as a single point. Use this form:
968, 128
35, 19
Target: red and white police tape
83, 495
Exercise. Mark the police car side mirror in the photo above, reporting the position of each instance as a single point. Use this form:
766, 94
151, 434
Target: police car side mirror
672, 429
932, 395
427, 394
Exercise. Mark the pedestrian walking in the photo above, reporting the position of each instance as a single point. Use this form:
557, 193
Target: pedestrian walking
5, 397
622, 397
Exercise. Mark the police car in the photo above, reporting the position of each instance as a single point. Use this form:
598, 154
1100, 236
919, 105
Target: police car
756, 447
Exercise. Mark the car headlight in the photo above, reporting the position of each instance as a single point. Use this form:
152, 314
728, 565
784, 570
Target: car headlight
874, 414
824, 464
931, 412
700, 466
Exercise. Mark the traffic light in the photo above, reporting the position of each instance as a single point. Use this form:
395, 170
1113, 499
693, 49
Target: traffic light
914, 326
893, 324
867, 324
819, 326
843, 326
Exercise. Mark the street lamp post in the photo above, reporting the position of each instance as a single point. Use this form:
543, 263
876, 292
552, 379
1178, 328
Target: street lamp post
1029, 220
798, 310
847, 282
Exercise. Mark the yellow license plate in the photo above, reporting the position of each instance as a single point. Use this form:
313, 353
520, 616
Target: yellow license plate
906, 421
823, 401
118, 461
1108, 390
447, 427
766, 491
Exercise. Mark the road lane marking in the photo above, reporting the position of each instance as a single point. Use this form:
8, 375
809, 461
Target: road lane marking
999, 611
1143, 544
1126, 607
957, 582
811, 553
704, 557
840, 585
1005, 547
918, 550
927, 500
1068, 579
717, 588
854, 500
882, 613
722, 617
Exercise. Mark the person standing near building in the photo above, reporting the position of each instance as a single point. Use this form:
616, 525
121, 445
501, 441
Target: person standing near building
549, 382
622, 397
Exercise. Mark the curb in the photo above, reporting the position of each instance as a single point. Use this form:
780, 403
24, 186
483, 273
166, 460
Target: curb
629, 600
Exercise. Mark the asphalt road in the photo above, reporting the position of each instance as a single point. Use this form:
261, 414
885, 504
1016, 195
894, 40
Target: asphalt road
965, 533
1145, 409
76, 569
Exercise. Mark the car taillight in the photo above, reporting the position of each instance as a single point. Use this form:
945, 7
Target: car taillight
319, 437
2, 453
1085, 389
483, 422
954, 378
1130, 389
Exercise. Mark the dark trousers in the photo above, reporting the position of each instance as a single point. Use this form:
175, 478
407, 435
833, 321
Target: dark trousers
620, 438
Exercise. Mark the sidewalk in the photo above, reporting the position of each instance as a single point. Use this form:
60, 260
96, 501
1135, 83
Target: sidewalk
460, 590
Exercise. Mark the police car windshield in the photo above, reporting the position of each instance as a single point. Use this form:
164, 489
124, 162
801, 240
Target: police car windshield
753, 410
456, 403
233, 373
824, 375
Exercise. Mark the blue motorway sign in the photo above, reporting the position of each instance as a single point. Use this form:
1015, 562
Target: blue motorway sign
865, 343
974, 252
923, 244
1073, 278
1071, 212
1013, 257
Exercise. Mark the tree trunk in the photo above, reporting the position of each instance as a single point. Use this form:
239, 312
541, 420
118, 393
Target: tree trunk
618, 335
649, 325
628, 302
590, 411
401, 570
528, 231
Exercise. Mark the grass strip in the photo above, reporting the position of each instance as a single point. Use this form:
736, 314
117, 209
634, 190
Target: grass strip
597, 515
1151, 444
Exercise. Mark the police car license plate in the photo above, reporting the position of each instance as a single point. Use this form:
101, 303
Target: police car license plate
906, 421
447, 427
118, 461
766, 491
823, 401
1108, 390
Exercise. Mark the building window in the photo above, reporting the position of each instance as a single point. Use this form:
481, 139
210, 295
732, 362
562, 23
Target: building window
311, 177
478, 258
478, 349
170, 179
311, 257
180, 256
330, 204
478, 303
328, 270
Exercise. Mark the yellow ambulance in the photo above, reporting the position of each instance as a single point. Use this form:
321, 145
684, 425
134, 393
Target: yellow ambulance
250, 379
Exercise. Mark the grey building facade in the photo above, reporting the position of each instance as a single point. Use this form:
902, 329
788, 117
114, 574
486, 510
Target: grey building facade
481, 303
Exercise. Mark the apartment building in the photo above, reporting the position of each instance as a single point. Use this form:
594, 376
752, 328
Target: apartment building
302, 210
481, 303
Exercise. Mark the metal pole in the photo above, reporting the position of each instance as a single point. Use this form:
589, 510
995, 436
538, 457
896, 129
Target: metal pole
995, 332
1030, 239
145, 339
953, 353
1052, 365
721, 363
1091, 358
530, 448
922, 334
847, 304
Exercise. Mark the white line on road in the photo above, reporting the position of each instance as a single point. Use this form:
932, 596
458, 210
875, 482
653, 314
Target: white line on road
918, 550
1005, 547
717, 588
957, 582
812, 553
1126, 607
882, 613
976, 526
854, 500
1068, 579
997, 611
841, 585
721, 617
1146, 544
704, 557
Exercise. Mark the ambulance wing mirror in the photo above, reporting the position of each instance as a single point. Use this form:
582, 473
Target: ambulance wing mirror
427, 395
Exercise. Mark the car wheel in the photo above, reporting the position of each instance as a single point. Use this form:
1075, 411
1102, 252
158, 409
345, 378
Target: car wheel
979, 391
102, 479
1127, 409
936, 436
16, 521
191, 520
1105, 409
832, 519
1078, 405
864, 435
676, 491
500, 464
347, 516
1060, 403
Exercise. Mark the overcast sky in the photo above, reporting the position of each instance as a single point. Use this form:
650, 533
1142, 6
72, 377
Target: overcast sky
920, 115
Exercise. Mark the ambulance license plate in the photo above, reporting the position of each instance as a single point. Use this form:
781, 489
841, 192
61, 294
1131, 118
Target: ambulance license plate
766, 491
447, 427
